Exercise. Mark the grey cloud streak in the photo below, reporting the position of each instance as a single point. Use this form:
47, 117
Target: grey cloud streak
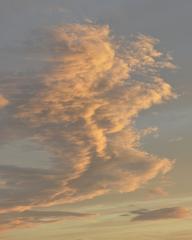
82, 109
163, 213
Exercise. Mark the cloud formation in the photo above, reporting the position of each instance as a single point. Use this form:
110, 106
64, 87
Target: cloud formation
3, 101
157, 192
82, 109
31, 218
163, 213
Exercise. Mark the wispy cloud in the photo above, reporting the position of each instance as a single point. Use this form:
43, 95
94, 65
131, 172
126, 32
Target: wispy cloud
157, 192
175, 140
31, 218
163, 213
82, 109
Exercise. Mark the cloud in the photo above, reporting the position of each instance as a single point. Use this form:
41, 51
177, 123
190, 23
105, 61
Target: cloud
175, 140
157, 192
3, 101
163, 213
82, 109
34, 217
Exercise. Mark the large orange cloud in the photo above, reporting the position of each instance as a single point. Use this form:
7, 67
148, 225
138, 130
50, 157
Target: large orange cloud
83, 112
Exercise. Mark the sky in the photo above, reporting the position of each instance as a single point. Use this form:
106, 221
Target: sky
95, 119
